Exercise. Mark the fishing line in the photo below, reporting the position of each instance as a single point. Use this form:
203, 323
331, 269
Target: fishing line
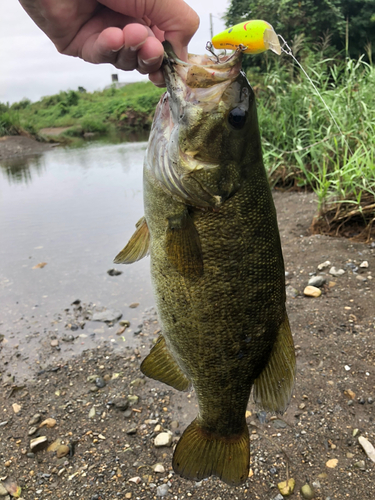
288, 51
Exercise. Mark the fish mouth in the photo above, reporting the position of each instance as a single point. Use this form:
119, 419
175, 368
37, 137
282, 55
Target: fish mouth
200, 71
194, 91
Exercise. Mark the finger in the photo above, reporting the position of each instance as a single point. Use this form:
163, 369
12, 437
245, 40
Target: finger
103, 47
175, 18
157, 78
150, 56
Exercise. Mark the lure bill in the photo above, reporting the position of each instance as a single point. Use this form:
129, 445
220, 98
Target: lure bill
256, 36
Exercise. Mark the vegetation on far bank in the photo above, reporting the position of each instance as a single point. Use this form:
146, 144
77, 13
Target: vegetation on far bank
303, 148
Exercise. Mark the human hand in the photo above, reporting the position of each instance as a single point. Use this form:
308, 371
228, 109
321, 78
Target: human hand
125, 33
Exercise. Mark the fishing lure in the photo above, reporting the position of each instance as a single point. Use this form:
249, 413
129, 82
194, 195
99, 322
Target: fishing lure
256, 35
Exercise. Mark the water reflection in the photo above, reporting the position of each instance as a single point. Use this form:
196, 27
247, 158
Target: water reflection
73, 209
22, 170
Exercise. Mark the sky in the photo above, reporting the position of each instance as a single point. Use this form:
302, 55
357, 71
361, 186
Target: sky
31, 67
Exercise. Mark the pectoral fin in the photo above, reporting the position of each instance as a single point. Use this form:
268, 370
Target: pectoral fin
273, 388
160, 365
138, 245
183, 246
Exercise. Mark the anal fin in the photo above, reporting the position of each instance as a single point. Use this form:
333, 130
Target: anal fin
138, 245
160, 365
183, 246
274, 386
201, 454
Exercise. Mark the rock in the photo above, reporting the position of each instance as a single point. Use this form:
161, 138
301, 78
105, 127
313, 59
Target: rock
361, 464
291, 292
124, 322
131, 431
278, 497
364, 264
163, 439
174, 425
12, 488
324, 265
135, 479
49, 423
331, 464
279, 424
134, 305
336, 272
286, 488
349, 394
307, 492
368, 447
99, 382
317, 281
92, 412
53, 446
312, 291
54, 343
16, 407
37, 441
108, 316
162, 490
133, 399
121, 404
32, 430
370, 400
359, 277
62, 451
114, 272
158, 468
3, 491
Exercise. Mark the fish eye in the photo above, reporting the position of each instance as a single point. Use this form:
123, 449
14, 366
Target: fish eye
237, 118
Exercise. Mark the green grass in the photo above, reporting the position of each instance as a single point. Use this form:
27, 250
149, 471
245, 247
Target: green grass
302, 146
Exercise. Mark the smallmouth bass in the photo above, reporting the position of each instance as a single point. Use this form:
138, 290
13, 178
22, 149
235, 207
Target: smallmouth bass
216, 262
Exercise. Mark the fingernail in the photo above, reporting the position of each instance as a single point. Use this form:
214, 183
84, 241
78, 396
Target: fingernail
149, 62
137, 47
118, 50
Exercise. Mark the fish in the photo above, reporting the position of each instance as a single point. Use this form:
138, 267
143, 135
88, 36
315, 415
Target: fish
216, 262
256, 36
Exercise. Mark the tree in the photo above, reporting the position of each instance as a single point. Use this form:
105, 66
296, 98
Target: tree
313, 18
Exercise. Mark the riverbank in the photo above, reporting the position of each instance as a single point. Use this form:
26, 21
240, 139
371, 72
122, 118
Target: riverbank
16, 146
106, 415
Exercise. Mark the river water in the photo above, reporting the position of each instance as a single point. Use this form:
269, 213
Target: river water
73, 209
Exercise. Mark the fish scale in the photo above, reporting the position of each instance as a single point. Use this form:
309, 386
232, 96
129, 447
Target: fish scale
216, 264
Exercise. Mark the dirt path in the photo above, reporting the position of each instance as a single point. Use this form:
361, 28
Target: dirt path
107, 415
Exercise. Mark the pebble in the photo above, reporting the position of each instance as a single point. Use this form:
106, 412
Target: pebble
370, 401
62, 451
361, 464
3, 491
278, 497
286, 488
30, 455
367, 446
16, 407
37, 441
158, 468
364, 264
307, 492
108, 316
133, 399
312, 291
49, 423
32, 430
125, 323
336, 272
99, 382
291, 292
92, 412
324, 265
162, 490
163, 439
114, 272
121, 404
54, 343
331, 464
317, 281
135, 479
279, 424
133, 305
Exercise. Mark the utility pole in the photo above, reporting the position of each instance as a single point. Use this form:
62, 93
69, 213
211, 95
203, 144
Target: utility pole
211, 27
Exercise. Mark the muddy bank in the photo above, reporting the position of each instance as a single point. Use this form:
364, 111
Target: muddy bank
107, 415
14, 146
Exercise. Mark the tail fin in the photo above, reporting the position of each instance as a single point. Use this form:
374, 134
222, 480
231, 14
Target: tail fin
200, 454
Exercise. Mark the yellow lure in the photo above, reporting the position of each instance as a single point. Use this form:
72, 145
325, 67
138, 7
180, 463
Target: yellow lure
256, 35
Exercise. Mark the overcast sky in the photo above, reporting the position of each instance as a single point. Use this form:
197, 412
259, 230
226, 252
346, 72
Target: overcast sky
31, 67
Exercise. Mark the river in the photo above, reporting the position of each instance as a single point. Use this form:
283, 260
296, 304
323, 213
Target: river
73, 209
